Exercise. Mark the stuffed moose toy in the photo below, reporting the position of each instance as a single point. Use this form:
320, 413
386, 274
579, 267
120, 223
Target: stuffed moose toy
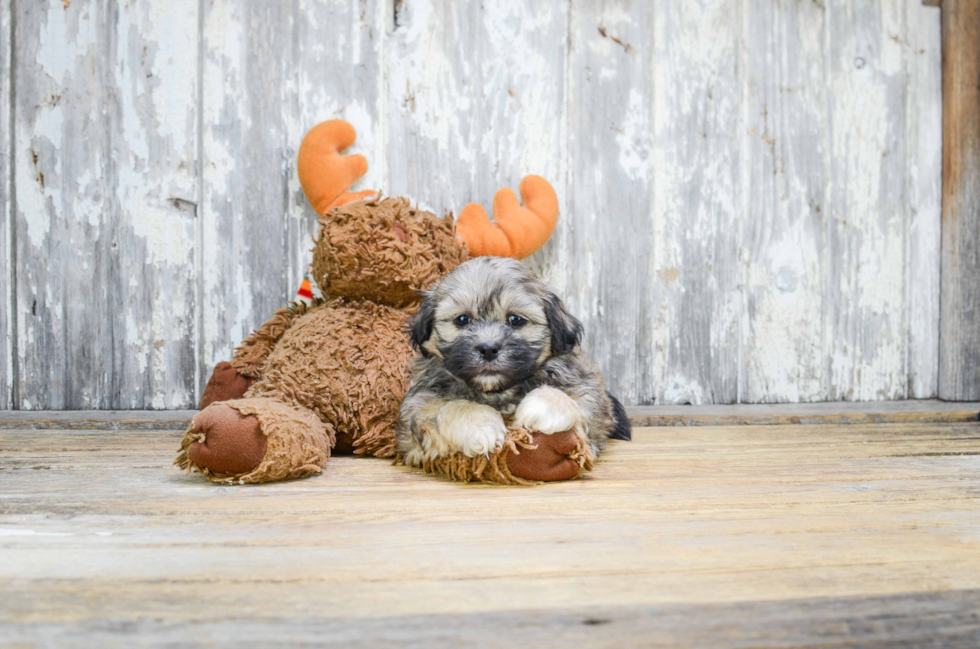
328, 377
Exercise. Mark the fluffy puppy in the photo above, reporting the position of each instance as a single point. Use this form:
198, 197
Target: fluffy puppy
496, 348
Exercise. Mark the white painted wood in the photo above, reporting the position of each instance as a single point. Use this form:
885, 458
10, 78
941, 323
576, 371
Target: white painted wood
866, 333
750, 190
785, 176
696, 126
270, 72
606, 230
924, 160
243, 269
6, 185
151, 179
63, 205
105, 187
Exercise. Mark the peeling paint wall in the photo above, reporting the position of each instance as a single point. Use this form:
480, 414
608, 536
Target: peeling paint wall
6, 223
750, 188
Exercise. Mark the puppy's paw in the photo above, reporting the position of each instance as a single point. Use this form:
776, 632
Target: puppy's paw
548, 410
471, 428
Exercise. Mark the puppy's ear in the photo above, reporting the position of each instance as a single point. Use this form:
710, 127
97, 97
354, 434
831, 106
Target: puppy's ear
566, 330
420, 326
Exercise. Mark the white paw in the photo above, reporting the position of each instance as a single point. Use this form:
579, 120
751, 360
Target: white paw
471, 428
548, 410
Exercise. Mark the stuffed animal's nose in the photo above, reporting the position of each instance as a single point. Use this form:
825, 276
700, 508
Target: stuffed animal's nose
488, 351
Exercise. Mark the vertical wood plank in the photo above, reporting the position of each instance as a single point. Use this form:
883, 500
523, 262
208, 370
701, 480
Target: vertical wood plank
924, 162
270, 72
784, 197
475, 99
6, 225
696, 165
867, 229
151, 107
243, 270
959, 352
105, 165
62, 205
608, 224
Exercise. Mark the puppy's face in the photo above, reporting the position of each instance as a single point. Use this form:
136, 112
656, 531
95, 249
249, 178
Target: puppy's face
492, 323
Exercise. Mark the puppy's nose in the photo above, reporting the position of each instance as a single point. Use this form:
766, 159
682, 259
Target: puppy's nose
488, 351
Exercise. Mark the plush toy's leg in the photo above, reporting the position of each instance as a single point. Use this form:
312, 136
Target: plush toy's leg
525, 458
225, 384
255, 440
558, 456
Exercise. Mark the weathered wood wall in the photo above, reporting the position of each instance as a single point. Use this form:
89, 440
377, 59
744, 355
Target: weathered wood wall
750, 188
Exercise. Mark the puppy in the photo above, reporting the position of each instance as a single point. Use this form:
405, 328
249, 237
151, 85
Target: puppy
497, 348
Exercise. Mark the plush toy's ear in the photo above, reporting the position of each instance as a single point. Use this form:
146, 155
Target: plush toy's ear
516, 231
325, 174
566, 329
420, 326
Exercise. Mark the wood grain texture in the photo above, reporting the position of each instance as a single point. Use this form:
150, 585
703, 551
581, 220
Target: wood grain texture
749, 190
271, 72
784, 194
734, 536
959, 349
786, 414
867, 223
105, 180
908, 620
782, 414
924, 128
151, 184
6, 224
64, 203
243, 266
606, 237
696, 161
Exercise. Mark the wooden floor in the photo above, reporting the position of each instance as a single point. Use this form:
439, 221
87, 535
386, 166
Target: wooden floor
735, 536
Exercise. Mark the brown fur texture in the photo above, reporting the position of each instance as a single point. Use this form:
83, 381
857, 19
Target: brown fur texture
383, 251
250, 356
347, 363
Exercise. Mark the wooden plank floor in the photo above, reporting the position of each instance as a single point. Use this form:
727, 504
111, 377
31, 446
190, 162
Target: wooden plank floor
736, 536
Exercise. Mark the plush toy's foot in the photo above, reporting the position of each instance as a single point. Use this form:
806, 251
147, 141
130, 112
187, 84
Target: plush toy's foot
555, 458
228, 442
525, 458
225, 384
255, 440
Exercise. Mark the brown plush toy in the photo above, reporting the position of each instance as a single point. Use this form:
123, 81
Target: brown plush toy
330, 377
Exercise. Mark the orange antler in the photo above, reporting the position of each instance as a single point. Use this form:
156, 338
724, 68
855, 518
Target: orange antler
325, 174
517, 231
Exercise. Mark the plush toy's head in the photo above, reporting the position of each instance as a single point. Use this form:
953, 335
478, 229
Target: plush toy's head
385, 250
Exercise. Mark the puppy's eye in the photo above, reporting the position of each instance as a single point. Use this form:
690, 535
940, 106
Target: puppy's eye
516, 321
461, 320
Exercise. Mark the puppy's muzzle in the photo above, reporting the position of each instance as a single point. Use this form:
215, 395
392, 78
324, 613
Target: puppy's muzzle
488, 351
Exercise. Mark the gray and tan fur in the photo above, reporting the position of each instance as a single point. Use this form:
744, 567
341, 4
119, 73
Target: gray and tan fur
497, 348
